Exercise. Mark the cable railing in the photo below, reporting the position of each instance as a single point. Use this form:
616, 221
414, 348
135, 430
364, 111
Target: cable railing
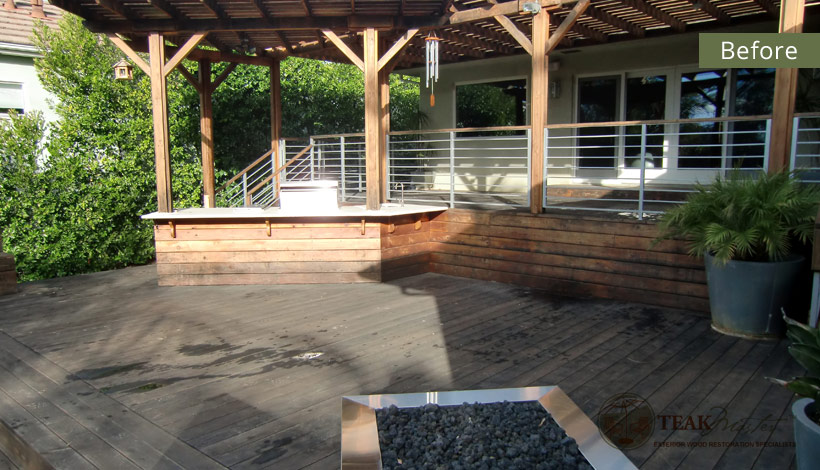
341, 158
805, 153
645, 167
637, 168
257, 184
475, 167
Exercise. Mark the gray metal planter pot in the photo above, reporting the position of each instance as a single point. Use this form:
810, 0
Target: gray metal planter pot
806, 435
746, 296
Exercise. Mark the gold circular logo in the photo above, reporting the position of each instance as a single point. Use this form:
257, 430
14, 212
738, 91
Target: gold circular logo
626, 421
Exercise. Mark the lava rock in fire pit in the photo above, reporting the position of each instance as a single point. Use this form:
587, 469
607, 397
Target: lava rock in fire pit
517, 435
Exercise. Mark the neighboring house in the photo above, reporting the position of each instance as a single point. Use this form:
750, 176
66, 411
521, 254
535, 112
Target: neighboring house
20, 88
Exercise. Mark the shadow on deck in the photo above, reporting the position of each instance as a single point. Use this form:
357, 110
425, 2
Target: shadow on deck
110, 371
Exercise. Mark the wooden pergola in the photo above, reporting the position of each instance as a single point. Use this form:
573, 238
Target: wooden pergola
380, 35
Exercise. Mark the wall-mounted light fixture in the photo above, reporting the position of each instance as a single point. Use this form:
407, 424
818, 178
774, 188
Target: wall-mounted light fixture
555, 89
531, 7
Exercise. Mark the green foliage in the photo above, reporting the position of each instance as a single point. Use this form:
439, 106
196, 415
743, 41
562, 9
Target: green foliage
759, 218
71, 195
805, 349
64, 213
491, 104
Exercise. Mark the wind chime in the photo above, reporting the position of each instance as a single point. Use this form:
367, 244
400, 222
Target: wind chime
431, 49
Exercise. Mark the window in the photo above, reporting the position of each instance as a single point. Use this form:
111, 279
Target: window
492, 104
702, 95
598, 102
11, 97
645, 101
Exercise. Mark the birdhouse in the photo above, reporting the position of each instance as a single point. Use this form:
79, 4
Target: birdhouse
123, 70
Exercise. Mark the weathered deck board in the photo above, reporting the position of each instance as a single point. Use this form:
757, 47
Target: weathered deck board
217, 367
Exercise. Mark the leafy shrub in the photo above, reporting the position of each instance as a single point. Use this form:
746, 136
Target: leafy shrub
760, 218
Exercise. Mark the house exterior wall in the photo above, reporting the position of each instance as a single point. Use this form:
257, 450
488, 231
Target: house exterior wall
18, 67
679, 50
671, 54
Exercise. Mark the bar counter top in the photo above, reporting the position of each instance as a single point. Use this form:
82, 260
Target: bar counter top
358, 211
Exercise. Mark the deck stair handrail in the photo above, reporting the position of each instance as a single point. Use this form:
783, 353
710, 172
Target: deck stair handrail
267, 179
235, 191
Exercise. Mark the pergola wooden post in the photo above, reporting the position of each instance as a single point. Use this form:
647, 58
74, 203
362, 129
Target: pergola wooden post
206, 129
785, 92
372, 119
376, 112
384, 127
159, 105
275, 115
157, 70
538, 109
540, 46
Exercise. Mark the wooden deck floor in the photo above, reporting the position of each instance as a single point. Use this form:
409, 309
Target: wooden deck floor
110, 371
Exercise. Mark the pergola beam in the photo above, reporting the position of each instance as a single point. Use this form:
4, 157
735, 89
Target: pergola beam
345, 49
183, 52
566, 25
397, 47
613, 20
769, 6
116, 8
166, 8
516, 33
124, 47
712, 10
461, 38
649, 10
189, 77
499, 9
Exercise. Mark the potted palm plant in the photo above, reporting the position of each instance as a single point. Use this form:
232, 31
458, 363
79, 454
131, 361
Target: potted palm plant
805, 349
748, 228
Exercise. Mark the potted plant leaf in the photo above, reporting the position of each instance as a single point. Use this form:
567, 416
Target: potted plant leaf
805, 349
748, 229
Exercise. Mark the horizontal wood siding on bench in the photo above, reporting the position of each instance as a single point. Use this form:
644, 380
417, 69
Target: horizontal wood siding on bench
236, 252
566, 254
569, 255
405, 248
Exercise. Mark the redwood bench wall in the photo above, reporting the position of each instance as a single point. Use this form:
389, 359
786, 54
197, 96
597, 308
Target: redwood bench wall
217, 252
560, 253
568, 255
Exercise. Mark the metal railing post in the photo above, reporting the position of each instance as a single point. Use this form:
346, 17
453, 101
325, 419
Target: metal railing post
643, 172
452, 169
342, 157
529, 166
795, 136
360, 169
320, 162
766, 140
245, 190
387, 164
545, 167
311, 158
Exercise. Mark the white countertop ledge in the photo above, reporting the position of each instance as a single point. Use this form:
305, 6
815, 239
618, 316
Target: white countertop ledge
386, 210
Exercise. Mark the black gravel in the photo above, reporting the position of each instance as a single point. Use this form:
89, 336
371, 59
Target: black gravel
519, 435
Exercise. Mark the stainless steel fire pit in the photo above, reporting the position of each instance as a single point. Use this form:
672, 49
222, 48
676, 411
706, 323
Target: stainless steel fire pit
360, 437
